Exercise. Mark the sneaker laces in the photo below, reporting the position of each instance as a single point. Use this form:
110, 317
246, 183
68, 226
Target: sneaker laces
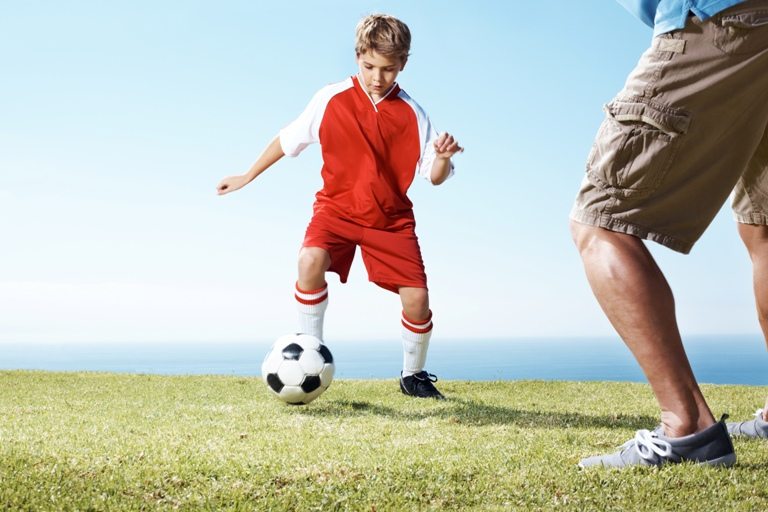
759, 414
423, 376
647, 444
424, 381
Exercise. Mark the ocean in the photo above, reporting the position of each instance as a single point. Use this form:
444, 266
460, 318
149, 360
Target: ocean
738, 359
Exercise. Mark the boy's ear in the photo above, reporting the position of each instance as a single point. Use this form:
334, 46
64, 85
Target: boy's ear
402, 64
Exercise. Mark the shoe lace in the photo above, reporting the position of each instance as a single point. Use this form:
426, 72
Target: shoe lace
424, 377
647, 444
423, 381
759, 413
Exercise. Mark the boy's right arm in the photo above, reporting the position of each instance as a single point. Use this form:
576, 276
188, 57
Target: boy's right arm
291, 140
271, 154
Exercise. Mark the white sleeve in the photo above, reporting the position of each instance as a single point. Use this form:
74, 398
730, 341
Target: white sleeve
428, 155
427, 137
305, 129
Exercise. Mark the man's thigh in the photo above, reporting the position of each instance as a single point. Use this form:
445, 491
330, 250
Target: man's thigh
750, 196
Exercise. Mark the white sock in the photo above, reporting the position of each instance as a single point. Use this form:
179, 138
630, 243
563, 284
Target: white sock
415, 344
311, 306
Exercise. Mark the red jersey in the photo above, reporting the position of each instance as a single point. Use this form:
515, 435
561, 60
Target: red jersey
371, 152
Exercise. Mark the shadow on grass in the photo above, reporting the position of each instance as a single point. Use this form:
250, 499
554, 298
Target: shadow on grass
469, 412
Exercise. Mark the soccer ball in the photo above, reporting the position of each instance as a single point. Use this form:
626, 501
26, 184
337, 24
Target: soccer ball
298, 368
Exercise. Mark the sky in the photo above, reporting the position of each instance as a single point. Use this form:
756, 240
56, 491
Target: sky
117, 120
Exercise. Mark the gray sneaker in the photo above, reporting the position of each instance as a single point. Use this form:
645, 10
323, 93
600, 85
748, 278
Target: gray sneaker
711, 446
754, 429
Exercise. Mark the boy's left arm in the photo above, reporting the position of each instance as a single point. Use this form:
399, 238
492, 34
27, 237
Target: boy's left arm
445, 147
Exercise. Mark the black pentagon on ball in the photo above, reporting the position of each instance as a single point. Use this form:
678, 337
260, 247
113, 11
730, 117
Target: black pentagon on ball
292, 352
311, 383
327, 357
274, 382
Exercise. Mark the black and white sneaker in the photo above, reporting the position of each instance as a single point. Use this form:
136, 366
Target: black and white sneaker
420, 385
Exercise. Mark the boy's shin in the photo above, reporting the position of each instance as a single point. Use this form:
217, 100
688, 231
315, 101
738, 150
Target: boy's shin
416, 337
311, 306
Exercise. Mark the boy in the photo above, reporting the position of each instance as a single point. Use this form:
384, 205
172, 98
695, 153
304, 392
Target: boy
374, 138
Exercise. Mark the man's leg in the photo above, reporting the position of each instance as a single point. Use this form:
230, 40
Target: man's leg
674, 143
755, 238
635, 296
750, 207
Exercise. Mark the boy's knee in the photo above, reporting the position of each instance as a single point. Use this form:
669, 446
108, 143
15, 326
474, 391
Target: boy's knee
313, 261
416, 304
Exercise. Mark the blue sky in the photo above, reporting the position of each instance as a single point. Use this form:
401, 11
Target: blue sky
118, 120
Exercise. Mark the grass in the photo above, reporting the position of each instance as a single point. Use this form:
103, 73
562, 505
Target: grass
90, 441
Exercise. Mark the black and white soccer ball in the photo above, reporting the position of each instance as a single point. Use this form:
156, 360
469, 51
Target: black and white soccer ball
298, 368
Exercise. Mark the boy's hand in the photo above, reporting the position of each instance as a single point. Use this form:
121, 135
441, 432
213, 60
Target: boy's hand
230, 184
446, 146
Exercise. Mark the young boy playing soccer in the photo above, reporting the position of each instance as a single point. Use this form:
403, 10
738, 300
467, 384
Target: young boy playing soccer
374, 139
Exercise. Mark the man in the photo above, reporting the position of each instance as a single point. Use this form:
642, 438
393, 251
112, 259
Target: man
689, 127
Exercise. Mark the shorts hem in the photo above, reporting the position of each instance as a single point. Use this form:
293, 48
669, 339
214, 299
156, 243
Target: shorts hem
342, 277
756, 218
343, 273
606, 221
394, 287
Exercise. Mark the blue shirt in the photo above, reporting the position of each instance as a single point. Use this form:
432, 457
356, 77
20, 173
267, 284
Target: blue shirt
667, 15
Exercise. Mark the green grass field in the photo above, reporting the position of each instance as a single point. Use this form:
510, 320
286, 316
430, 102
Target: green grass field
89, 441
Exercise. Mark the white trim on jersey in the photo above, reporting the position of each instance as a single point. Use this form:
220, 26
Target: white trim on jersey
305, 129
374, 103
427, 137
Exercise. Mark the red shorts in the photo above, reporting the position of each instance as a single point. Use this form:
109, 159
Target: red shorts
392, 258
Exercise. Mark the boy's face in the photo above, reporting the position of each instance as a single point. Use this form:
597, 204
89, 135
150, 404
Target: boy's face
379, 72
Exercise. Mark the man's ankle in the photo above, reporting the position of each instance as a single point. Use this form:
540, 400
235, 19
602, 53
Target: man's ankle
680, 426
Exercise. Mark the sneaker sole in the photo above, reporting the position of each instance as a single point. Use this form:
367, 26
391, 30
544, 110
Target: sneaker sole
726, 461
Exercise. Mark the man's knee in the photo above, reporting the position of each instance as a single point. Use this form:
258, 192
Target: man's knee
755, 238
598, 243
584, 235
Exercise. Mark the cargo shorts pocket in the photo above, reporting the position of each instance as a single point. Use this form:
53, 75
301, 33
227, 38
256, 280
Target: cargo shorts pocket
634, 147
741, 33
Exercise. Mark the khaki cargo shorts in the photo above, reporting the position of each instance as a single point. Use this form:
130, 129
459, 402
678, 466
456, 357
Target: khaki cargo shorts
689, 128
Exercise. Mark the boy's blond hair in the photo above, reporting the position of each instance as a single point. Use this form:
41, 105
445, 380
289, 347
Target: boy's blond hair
383, 34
